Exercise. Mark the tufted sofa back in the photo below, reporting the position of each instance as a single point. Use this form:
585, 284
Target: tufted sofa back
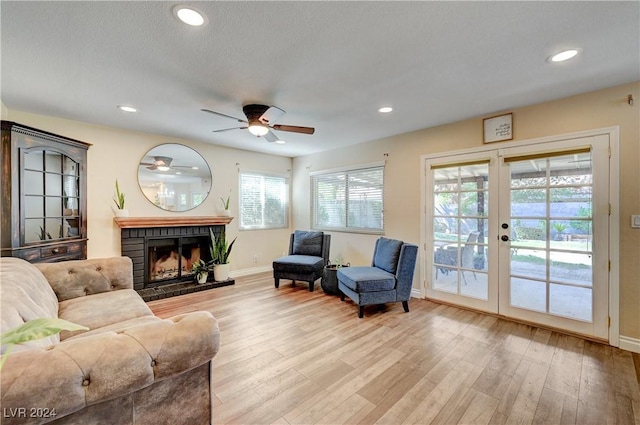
25, 295
72, 279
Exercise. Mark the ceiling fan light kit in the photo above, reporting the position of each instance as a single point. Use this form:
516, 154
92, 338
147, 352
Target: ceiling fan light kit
260, 121
258, 129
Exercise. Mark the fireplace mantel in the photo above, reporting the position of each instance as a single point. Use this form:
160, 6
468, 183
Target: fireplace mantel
147, 222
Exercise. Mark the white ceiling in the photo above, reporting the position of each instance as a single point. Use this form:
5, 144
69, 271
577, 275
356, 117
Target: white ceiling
330, 65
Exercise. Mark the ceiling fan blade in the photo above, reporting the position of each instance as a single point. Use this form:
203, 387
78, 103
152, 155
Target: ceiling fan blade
227, 129
222, 115
294, 128
271, 115
163, 161
270, 137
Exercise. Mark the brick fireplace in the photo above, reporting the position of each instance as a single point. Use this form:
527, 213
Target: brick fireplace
163, 249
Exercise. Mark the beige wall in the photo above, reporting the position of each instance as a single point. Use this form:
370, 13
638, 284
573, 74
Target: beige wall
604, 108
116, 153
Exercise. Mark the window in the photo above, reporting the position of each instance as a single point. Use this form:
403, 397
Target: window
264, 201
350, 200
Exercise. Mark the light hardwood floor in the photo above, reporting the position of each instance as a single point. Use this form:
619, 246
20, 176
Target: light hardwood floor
289, 356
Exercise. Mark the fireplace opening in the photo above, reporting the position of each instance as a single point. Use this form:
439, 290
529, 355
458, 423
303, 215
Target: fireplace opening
171, 259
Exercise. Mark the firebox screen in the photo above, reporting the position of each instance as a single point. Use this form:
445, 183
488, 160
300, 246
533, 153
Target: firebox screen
172, 258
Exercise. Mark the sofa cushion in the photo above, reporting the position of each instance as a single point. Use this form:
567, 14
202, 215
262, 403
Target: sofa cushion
366, 279
103, 309
387, 254
307, 243
79, 278
25, 295
118, 327
298, 263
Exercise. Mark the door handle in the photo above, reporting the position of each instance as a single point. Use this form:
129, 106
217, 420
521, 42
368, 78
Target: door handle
504, 238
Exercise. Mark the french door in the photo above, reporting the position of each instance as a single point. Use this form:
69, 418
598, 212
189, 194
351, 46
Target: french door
523, 232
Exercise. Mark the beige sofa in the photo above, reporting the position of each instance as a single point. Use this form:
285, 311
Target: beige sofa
131, 367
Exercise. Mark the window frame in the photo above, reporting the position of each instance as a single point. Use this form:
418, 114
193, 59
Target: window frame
346, 171
287, 190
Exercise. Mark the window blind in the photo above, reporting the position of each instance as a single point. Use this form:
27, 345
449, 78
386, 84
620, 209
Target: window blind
264, 201
349, 200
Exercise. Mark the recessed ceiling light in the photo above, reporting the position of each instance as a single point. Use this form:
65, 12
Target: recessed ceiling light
189, 16
280, 142
127, 108
564, 55
385, 109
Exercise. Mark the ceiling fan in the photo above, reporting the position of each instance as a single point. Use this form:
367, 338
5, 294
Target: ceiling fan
163, 163
261, 120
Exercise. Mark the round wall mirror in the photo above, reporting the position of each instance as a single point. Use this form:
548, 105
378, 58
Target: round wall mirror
174, 177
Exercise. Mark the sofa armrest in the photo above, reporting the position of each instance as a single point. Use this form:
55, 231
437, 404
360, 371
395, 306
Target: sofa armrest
84, 371
78, 278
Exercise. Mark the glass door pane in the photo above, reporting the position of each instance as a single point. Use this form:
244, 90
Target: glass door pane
550, 259
460, 211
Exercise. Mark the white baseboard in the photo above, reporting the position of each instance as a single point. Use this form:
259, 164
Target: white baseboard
250, 271
416, 293
629, 344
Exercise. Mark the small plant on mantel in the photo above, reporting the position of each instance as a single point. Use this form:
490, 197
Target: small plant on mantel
225, 205
119, 201
225, 202
119, 197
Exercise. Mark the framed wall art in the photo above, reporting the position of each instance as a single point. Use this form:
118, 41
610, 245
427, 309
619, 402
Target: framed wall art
497, 129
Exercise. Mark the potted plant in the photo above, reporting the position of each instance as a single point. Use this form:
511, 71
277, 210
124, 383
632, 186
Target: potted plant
201, 270
119, 201
225, 205
35, 329
220, 256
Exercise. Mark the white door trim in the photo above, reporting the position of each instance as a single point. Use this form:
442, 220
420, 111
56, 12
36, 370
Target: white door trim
614, 218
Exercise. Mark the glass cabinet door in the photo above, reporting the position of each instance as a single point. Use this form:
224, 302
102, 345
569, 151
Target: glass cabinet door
51, 196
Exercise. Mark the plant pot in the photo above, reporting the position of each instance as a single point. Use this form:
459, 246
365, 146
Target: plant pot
225, 213
202, 277
220, 272
122, 213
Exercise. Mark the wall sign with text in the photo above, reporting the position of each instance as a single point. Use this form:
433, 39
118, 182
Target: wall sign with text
497, 129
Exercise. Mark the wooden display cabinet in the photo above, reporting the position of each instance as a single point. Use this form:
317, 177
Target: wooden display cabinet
44, 195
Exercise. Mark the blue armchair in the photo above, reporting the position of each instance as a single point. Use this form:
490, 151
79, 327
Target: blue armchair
389, 279
308, 254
